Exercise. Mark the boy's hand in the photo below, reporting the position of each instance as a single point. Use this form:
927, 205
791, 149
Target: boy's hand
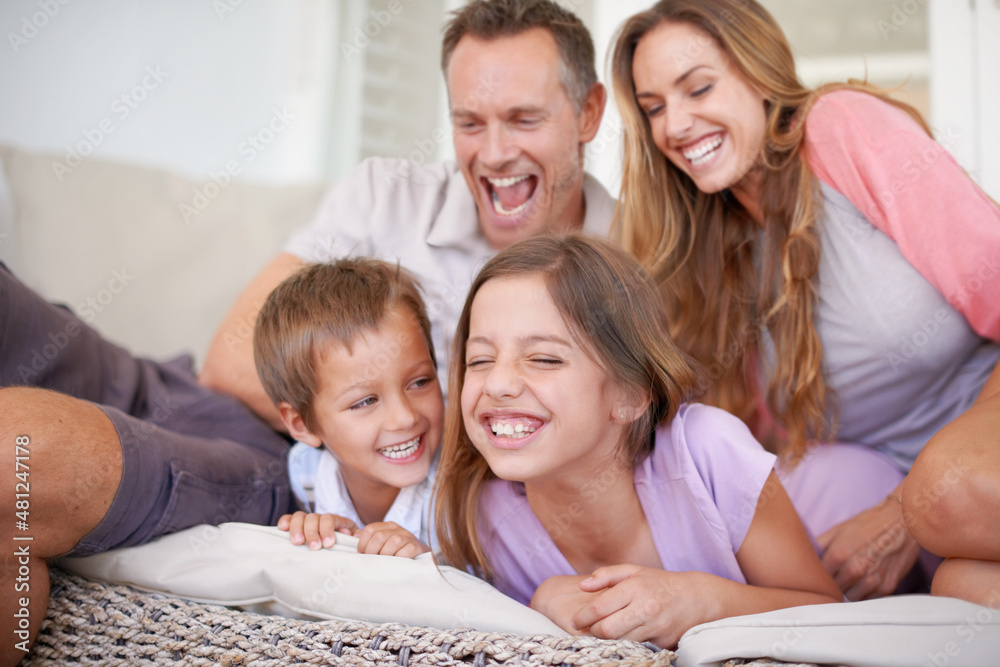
388, 539
316, 530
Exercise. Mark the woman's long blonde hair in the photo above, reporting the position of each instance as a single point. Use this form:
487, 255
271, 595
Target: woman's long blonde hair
702, 247
612, 306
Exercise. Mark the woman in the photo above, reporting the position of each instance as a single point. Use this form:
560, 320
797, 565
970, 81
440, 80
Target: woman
819, 253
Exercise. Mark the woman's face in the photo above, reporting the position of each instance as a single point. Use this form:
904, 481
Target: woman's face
704, 116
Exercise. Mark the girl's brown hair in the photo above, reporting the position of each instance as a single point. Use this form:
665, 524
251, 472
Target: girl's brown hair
701, 247
611, 305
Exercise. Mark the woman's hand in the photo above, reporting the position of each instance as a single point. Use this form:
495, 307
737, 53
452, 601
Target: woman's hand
387, 538
316, 530
646, 604
870, 554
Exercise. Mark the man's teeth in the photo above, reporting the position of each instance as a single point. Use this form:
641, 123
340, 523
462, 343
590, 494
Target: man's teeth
498, 207
703, 151
506, 182
508, 430
401, 451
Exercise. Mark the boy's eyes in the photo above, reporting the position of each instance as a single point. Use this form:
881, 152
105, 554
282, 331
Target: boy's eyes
422, 382
364, 403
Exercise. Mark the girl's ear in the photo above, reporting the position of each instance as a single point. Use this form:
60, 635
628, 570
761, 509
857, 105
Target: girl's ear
631, 406
297, 426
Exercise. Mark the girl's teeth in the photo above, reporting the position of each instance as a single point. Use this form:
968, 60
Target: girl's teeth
509, 430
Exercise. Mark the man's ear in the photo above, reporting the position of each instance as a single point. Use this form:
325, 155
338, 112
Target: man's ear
297, 426
589, 119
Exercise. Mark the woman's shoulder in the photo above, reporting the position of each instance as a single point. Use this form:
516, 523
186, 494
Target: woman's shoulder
860, 113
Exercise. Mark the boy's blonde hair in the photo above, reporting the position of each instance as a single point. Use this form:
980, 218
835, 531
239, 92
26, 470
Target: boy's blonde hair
325, 303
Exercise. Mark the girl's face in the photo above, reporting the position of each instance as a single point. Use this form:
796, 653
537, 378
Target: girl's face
535, 405
704, 116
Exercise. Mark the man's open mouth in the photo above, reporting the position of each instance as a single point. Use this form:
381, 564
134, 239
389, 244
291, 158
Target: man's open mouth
511, 195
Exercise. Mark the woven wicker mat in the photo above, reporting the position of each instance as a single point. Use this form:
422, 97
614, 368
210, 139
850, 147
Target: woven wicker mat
92, 623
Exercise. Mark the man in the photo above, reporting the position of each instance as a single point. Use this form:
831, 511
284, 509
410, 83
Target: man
524, 100
119, 450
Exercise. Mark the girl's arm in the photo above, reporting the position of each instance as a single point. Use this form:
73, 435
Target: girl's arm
646, 604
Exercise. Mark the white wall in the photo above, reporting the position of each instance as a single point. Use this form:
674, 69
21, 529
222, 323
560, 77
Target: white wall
78, 77
226, 66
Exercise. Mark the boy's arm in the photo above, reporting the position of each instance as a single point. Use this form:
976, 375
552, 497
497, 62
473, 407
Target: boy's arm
229, 366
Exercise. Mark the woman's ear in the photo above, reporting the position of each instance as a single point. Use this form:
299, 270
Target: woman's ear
297, 426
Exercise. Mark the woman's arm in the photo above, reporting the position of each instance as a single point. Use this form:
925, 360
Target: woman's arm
645, 604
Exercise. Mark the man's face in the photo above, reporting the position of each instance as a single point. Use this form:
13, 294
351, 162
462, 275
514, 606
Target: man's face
518, 138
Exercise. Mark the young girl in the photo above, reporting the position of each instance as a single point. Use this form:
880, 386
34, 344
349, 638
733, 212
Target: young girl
839, 259
574, 478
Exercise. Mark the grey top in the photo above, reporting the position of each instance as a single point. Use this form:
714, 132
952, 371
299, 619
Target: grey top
901, 360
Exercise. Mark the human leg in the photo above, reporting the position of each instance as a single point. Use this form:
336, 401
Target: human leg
137, 450
65, 444
973, 580
951, 500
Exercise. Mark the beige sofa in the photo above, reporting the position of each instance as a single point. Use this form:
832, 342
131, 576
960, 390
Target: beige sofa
150, 258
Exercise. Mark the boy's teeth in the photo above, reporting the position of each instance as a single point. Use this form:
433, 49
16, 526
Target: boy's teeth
507, 429
401, 451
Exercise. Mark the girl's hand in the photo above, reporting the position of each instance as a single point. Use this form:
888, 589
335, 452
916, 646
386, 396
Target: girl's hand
646, 604
316, 530
870, 554
388, 539
560, 598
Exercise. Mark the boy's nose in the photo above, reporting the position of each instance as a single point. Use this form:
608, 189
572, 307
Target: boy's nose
402, 415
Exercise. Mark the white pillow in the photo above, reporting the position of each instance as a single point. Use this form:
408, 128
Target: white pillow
112, 237
240, 564
899, 631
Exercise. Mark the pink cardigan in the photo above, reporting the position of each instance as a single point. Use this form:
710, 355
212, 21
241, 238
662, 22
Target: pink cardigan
911, 189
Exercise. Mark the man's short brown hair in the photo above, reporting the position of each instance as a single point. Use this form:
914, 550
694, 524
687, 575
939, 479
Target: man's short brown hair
490, 19
320, 304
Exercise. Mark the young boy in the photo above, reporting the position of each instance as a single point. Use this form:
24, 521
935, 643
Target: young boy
344, 351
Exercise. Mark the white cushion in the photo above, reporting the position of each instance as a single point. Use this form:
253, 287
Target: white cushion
240, 564
176, 278
903, 631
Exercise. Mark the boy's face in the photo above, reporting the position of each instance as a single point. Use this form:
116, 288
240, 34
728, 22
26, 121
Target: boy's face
379, 410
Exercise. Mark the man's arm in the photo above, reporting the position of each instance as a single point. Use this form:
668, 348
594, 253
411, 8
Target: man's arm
229, 366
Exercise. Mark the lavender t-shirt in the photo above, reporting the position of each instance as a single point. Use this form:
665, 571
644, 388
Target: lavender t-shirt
698, 488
